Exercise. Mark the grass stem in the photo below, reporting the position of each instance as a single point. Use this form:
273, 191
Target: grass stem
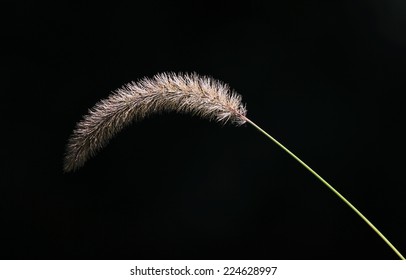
329, 186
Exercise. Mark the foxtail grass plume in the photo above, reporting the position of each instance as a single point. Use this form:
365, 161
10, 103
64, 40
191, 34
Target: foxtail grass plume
184, 93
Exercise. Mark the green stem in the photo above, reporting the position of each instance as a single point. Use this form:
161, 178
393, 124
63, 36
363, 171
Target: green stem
329, 186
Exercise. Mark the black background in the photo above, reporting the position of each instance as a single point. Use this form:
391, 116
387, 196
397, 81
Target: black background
325, 78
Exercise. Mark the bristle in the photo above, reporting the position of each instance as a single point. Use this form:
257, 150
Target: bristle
185, 93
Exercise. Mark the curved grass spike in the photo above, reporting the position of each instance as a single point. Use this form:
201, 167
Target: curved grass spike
183, 93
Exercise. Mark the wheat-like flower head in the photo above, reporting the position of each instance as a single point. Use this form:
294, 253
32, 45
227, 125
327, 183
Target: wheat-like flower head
184, 93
